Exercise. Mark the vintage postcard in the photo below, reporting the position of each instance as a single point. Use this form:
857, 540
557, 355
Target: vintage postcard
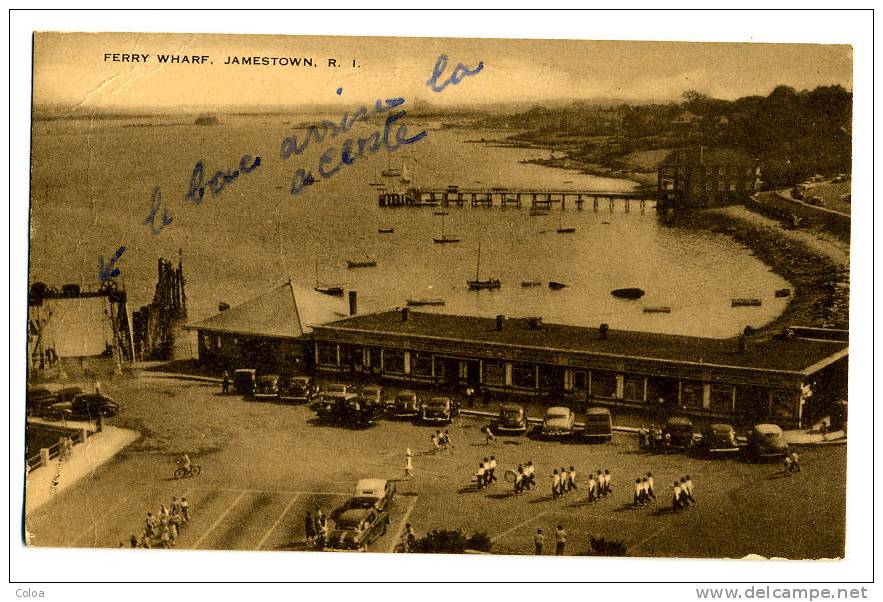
427, 295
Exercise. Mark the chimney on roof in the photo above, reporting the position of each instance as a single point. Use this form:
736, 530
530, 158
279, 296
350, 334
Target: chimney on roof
501, 319
405, 312
353, 305
602, 331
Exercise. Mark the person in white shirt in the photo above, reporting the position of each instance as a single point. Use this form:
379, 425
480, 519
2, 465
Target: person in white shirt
409, 468
531, 478
687, 486
651, 492
639, 493
593, 489
607, 488
556, 483
519, 480
676, 496
571, 478
565, 486
601, 492
795, 462
645, 485
479, 476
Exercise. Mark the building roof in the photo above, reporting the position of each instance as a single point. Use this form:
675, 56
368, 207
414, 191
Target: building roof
708, 155
283, 312
792, 355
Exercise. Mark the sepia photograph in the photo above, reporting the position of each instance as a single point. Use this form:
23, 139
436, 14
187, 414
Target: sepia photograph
435, 295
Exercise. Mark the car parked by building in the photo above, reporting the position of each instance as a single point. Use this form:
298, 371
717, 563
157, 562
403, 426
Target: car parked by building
406, 404
267, 387
678, 433
765, 442
558, 422
512, 420
718, 438
300, 389
598, 425
88, 406
244, 380
439, 410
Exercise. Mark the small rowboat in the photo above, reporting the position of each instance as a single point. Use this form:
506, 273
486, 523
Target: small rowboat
658, 309
419, 302
555, 286
529, 283
385, 230
628, 293
361, 263
745, 303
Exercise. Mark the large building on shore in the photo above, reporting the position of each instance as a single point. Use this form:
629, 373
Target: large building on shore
706, 177
752, 380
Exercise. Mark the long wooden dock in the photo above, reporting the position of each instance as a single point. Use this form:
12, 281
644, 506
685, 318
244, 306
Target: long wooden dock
535, 198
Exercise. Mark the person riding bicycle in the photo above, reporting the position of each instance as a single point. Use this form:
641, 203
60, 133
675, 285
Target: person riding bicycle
409, 538
185, 463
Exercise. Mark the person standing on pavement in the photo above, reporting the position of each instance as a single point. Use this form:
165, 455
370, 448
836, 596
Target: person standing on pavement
593, 489
639, 493
185, 509
519, 480
650, 491
676, 496
538, 540
645, 485
492, 467
600, 478
687, 486
479, 476
489, 436
225, 383
795, 462
531, 478
560, 540
556, 484
607, 488
409, 468
571, 479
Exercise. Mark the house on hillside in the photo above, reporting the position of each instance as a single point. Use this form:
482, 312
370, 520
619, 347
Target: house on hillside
270, 332
706, 177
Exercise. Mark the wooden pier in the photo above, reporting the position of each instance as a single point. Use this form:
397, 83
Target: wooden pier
535, 198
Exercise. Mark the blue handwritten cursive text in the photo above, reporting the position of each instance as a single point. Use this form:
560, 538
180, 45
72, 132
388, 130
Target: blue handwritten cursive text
219, 180
108, 271
461, 72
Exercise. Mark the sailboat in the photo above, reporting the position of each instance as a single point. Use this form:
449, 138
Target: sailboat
444, 238
478, 284
565, 229
334, 291
406, 175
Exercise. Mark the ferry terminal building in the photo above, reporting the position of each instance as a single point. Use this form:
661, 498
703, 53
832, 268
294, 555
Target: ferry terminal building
776, 378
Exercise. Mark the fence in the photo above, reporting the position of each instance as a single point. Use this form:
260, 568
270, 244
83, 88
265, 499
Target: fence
64, 446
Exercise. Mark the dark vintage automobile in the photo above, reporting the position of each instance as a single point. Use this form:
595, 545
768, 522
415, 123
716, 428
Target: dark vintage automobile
405, 405
40, 401
300, 389
512, 420
267, 387
718, 439
558, 422
765, 442
598, 425
439, 410
244, 381
677, 433
363, 518
372, 394
87, 406
347, 409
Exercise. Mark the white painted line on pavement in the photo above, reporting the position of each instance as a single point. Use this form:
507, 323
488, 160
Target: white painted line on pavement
518, 526
276, 524
398, 535
218, 521
334, 493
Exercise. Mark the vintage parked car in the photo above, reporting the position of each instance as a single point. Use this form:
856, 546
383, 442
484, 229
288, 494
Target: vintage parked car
40, 401
267, 387
244, 381
302, 389
765, 441
405, 405
558, 422
678, 433
372, 394
718, 439
511, 420
598, 425
439, 409
88, 406
347, 409
363, 518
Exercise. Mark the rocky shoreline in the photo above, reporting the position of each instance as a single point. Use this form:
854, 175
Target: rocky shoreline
821, 286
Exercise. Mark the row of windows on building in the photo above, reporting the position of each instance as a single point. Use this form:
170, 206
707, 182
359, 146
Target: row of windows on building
530, 377
710, 185
720, 170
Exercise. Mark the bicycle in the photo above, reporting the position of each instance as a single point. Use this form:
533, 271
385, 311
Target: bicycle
182, 472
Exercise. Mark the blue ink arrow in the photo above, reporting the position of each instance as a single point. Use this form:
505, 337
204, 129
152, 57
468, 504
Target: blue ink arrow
108, 271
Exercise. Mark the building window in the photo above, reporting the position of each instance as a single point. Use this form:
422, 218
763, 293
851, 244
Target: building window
421, 364
218, 341
633, 388
722, 398
327, 354
721, 185
579, 381
784, 403
721, 170
732, 185
748, 171
524, 376
749, 184
494, 373
394, 361
691, 394
603, 384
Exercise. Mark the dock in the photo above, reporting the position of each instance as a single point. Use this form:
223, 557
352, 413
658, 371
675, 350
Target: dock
504, 197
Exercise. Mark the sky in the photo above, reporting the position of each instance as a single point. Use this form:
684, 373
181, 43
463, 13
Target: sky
70, 70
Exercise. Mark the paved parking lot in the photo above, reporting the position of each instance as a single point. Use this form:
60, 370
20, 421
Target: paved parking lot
266, 464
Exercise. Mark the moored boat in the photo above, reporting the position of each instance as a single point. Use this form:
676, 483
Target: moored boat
555, 286
385, 230
419, 302
529, 283
368, 262
783, 292
479, 284
333, 290
745, 302
628, 293
657, 309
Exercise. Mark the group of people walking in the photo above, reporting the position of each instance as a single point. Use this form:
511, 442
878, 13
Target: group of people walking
484, 476
525, 477
316, 528
162, 530
682, 494
644, 490
563, 481
441, 442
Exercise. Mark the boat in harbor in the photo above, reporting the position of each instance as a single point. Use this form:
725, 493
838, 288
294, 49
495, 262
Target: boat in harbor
390, 171
745, 302
424, 301
657, 309
479, 284
406, 175
444, 238
783, 292
564, 229
385, 230
333, 290
530, 283
368, 262
556, 286
628, 293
